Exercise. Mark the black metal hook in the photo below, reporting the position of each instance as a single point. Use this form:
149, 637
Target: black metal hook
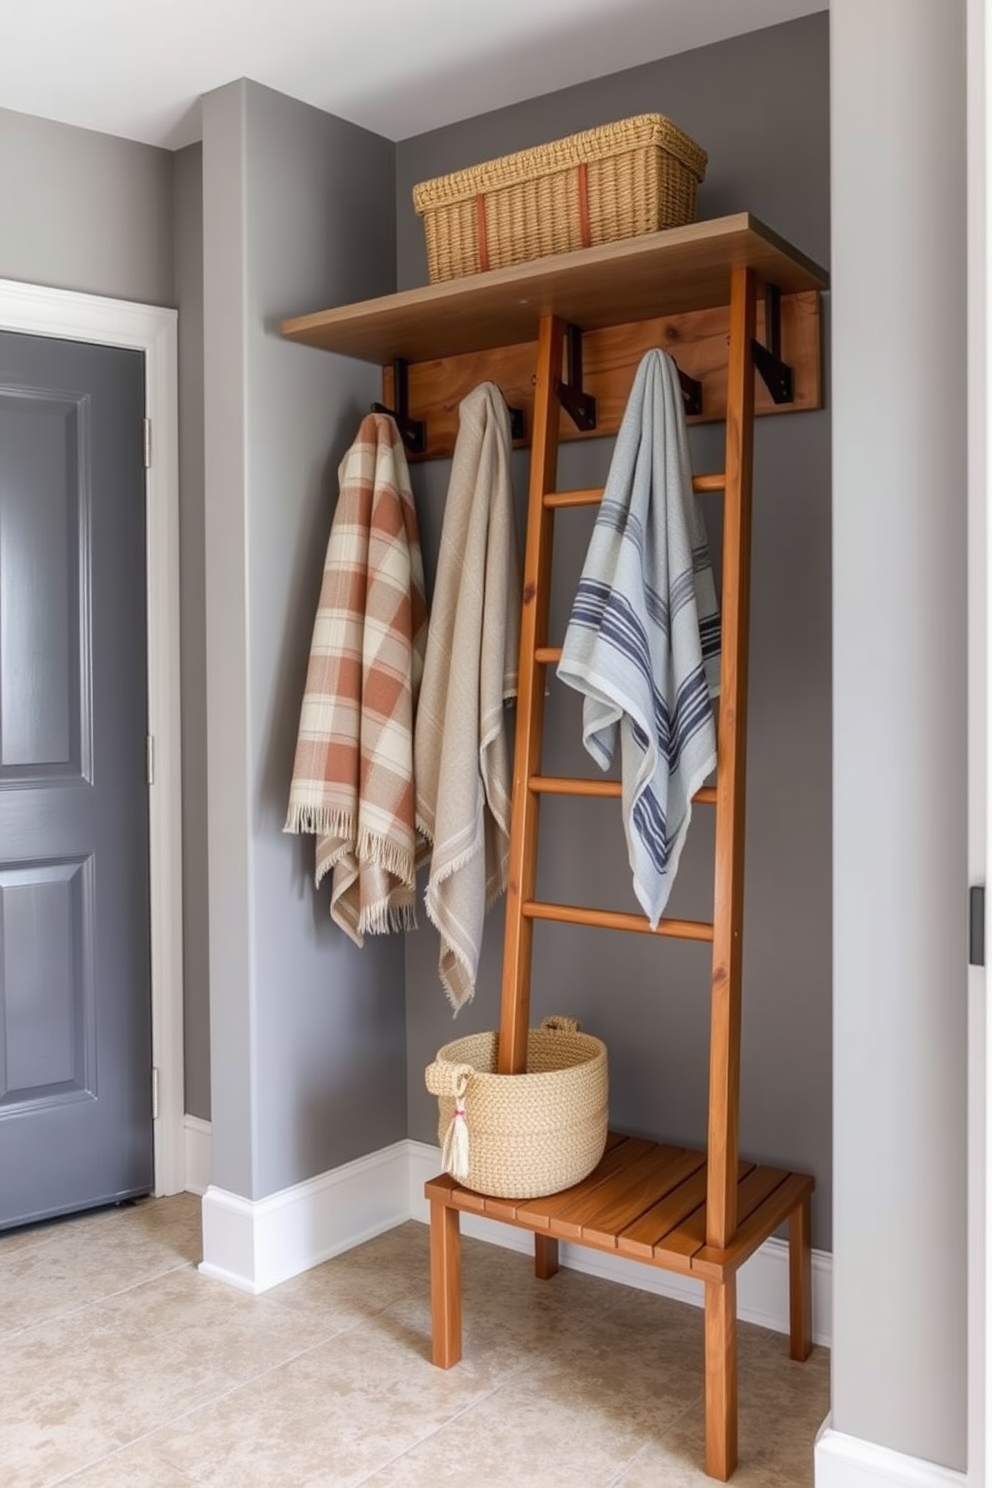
579, 405
775, 374
412, 431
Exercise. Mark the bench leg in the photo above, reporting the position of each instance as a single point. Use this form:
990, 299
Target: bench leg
800, 1283
545, 1257
446, 1286
721, 1377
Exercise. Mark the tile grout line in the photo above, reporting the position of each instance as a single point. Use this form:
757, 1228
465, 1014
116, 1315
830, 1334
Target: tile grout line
695, 1403
74, 1312
428, 1435
223, 1395
625, 1467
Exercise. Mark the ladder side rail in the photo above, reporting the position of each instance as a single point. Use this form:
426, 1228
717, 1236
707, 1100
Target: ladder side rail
728, 903
518, 934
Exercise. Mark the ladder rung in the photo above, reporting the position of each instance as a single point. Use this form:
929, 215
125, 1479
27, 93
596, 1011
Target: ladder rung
590, 497
571, 786
564, 785
593, 495
547, 655
609, 919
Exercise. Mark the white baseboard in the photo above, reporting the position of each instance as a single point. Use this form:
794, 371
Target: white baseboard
762, 1283
848, 1462
255, 1244
196, 1141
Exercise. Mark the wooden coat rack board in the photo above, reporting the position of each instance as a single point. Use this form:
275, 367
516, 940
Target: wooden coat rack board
696, 339
698, 291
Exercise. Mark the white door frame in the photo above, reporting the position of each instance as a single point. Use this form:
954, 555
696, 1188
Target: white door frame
979, 80
153, 330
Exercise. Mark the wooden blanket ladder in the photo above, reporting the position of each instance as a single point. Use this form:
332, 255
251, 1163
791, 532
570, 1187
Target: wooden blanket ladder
702, 1214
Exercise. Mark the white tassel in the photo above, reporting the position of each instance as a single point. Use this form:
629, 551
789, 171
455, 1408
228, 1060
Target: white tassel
454, 1153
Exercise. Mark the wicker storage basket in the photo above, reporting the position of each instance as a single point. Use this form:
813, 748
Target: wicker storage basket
622, 179
528, 1134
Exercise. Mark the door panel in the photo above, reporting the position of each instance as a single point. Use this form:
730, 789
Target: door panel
75, 999
39, 566
46, 983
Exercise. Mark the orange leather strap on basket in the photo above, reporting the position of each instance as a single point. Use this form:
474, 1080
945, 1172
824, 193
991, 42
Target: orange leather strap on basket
480, 223
584, 205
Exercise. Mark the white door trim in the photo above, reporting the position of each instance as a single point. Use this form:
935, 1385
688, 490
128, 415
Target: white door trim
979, 74
40, 311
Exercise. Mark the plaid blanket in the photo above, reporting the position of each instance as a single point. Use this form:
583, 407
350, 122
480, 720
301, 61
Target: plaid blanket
353, 775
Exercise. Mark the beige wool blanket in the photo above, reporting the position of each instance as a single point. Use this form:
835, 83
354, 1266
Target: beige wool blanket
353, 776
463, 752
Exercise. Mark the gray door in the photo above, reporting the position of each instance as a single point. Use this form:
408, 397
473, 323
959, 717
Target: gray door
75, 998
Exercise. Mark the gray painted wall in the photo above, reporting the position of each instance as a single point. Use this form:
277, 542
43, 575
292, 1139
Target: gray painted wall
84, 211
188, 256
900, 777
307, 1033
650, 1001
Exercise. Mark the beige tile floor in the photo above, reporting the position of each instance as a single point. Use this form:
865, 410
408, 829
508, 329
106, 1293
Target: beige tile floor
122, 1367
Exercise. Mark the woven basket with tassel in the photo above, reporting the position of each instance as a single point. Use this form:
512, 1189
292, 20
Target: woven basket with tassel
521, 1136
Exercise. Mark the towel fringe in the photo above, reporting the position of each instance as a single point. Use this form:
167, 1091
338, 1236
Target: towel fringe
457, 1002
426, 832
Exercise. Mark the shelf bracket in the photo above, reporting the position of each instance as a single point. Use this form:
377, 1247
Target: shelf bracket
692, 394
775, 374
413, 431
580, 406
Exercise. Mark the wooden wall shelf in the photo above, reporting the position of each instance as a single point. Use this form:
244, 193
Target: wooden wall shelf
666, 289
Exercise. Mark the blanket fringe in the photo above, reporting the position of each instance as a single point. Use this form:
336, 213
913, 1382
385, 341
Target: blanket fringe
319, 821
370, 847
382, 918
396, 859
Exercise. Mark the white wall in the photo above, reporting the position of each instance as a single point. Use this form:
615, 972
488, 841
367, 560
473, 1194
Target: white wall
900, 716
979, 436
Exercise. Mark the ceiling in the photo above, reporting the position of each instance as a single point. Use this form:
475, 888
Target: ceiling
137, 68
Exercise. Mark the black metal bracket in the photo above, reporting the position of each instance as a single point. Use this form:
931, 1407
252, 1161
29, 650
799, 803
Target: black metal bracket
412, 431
775, 374
580, 406
692, 394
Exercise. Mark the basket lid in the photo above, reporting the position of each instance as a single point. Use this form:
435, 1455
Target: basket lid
639, 132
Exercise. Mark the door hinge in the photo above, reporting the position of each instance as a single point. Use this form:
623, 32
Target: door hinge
976, 925
147, 442
149, 760
154, 1093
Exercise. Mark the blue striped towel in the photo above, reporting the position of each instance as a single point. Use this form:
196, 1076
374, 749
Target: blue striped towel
643, 638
